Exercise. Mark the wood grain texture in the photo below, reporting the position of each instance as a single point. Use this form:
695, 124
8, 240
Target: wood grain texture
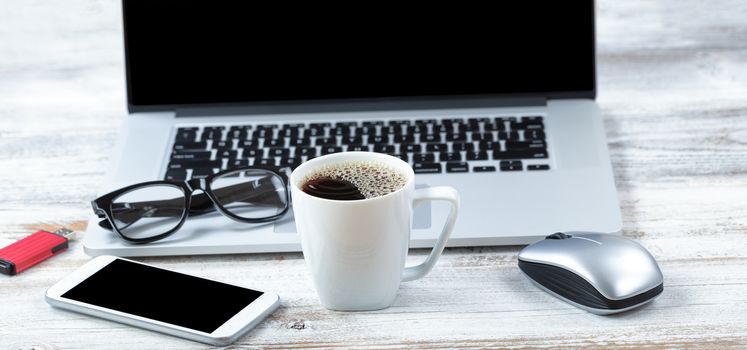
673, 91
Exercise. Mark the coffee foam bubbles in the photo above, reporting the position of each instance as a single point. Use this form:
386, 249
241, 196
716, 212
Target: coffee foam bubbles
373, 179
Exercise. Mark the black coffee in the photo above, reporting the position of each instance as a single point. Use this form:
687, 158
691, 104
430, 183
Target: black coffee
352, 181
330, 188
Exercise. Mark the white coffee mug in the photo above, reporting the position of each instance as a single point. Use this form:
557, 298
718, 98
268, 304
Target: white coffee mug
356, 249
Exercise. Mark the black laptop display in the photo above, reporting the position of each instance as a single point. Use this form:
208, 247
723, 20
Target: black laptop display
186, 52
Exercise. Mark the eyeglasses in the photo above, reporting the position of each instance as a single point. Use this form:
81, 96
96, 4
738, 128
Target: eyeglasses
154, 210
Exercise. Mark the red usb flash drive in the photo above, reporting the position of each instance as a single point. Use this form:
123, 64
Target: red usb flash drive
32, 250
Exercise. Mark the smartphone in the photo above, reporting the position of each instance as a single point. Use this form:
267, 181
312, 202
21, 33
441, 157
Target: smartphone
161, 300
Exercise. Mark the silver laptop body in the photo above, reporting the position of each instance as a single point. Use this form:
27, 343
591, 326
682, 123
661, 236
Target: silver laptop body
566, 184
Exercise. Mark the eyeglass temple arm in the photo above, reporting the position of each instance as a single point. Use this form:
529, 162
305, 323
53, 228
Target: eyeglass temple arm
129, 213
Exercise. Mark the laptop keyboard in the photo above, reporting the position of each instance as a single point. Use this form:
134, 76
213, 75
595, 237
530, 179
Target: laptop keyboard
431, 146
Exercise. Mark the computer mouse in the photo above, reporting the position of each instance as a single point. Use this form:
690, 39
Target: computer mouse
601, 273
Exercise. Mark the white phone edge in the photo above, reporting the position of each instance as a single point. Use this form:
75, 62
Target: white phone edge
238, 325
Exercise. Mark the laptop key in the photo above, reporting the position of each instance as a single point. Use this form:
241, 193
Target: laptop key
340, 131
278, 152
275, 142
399, 122
384, 148
450, 157
187, 155
430, 138
210, 134
315, 131
226, 154
222, 144
176, 175
477, 120
426, 168
525, 145
267, 126
436, 147
399, 138
495, 127
483, 169
292, 162
252, 152
320, 125
261, 133
373, 139
186, 136
513, 135
325, 141
297, 142
199, 173
462, 146
352, 140
195, 163
480, 155
293, 125
458, 137
423, 158
288, 132
488, 145
184, 146
265, 162
482, 136
457, 167
534, 134
248, 144
472, 127
425, 121
238, 163
400, 156
306, 151
519, 155
345, 124
514, 165
331, 149
410, 148
439, 128
502, 120
450, 128
238, 134
373, 123
416, 129
358, 148
538, 167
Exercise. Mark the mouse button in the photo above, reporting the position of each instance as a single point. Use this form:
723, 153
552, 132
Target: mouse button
558, 235
626, 272
551, 250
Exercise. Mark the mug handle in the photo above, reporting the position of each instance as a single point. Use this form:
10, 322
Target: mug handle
434, 193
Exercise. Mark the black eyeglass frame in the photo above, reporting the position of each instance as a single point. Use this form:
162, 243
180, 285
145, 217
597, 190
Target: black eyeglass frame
102, 206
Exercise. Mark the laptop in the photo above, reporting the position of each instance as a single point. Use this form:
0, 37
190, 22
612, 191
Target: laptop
497, 102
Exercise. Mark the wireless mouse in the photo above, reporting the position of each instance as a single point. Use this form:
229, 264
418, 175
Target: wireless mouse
600, 273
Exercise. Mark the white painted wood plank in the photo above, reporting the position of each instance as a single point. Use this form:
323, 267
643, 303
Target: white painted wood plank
673, 91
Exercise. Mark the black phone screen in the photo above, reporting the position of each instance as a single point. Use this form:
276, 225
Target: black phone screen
163, 295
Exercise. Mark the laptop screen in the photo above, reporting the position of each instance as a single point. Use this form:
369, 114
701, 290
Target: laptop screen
207, 52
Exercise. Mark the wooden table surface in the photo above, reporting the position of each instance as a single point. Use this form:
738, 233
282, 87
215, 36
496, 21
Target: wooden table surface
673, 92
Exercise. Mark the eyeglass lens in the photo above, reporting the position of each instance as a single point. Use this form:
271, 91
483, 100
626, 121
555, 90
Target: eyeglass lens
251, 194
148, 211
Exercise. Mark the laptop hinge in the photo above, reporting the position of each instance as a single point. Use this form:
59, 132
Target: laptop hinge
357, 106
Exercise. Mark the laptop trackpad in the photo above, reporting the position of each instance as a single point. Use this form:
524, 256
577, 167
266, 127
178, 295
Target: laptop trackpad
421, 218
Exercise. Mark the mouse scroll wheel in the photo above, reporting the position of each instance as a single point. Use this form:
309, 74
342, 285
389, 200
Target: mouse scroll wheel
558, 235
